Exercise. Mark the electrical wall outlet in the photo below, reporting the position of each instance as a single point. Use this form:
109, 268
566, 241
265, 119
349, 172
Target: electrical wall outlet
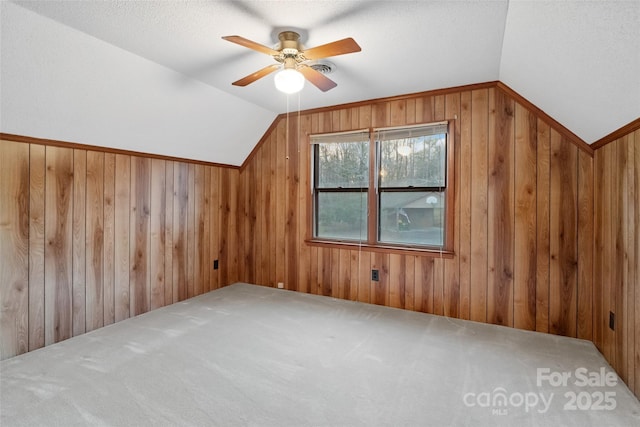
375, 275
612, 321
280, 285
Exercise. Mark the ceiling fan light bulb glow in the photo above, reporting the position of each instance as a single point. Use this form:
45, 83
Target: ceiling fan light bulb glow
289, 81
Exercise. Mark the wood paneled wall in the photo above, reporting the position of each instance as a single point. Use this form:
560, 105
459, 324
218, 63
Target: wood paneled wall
523, 225
547, 237
617, 260
89, 238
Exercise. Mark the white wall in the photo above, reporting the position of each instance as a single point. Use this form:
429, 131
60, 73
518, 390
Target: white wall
579, 61
59, 83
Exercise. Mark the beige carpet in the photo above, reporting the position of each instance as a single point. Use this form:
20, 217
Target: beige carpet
249, 355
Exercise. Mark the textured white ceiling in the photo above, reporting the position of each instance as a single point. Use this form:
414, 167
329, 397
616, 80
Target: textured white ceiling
578, 61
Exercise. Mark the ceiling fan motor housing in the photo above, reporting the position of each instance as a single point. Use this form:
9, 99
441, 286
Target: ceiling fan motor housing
289, 42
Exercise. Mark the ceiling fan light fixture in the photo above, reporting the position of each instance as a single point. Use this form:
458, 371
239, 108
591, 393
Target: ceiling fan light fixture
289, 81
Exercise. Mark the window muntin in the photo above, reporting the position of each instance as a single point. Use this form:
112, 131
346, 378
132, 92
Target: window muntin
389, 189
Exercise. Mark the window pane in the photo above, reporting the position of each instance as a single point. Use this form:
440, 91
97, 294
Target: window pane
343, 164
413, 161
342, 215
414, 217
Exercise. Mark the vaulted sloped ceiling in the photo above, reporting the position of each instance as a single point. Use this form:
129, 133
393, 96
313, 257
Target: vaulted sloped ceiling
155, 76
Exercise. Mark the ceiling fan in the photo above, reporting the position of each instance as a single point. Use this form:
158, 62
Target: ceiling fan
293, 59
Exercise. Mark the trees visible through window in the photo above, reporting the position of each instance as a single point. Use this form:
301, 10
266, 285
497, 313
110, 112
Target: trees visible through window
412, 184
341, 186
387, 187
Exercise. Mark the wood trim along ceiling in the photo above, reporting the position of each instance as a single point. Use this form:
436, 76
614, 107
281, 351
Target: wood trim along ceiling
570, 136
78, 146
617, 134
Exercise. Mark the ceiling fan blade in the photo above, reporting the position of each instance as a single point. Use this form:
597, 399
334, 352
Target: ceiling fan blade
257, 75
317, 78
251, 45
336, 48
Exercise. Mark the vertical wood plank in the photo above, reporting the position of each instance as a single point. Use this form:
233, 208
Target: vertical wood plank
79, 241
524, 290
364, 116
427, 109
324, 272
585, 246
199, 260
438, 286
233, 236
410, 282
598, 248
281, 199
245, 248
14, 249
180, 213
380, 113
500, 210
601, 201
621, 260
228, 226
273, 244
36, 244
542, 225
424, 284
380, 290
410, 115
108, 282
215, 225
95, 241
397, 110
397, 280
122, 235
636, 264
563, 225
207, 264
344, 274
335, 272
451, 283
168, 232
140, 279
265, 214
190, 241
304, 199
292, 213
364, 277
59, 244
464, 207
439, 107
224, 226
354, 264
259, 205
479, 219
314, 284
610, 216
633, 309
157, 234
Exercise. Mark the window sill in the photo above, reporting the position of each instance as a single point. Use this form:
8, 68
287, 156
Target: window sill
401, 250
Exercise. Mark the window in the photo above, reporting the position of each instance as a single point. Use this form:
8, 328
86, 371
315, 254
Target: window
388, 188
341, 184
